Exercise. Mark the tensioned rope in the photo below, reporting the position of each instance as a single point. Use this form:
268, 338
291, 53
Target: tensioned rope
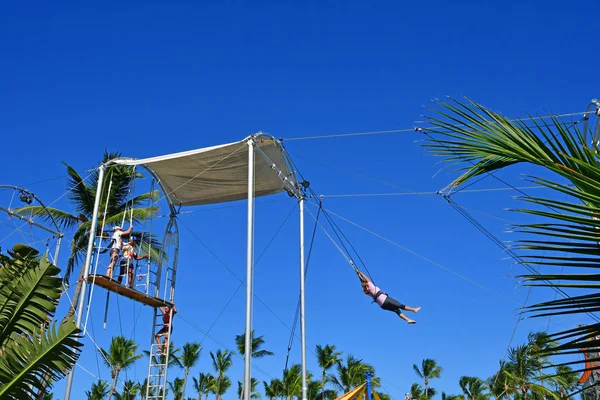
231, 271
335, 228
368, 178
491, 236
221, 344
425, 193
255, 265
338, 135
469, 280
507, 250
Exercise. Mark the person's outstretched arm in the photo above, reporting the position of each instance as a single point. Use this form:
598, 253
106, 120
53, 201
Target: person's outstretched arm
362, 277
128, 231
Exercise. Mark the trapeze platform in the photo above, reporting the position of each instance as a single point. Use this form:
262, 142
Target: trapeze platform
115, 287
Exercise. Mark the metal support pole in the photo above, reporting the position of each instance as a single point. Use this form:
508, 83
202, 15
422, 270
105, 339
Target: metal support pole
302, 312
57, 250
86, 267
369, 387
247, 386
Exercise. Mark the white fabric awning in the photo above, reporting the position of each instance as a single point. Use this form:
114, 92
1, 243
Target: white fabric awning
217, 174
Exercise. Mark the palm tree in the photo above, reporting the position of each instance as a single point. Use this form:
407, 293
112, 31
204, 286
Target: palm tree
189, 357
351, 374
144, 388
500, 384
452, 396
484, 142
204, 384
120, 356
473, 388
292, 382
177, 388
31, 357
98, 391
566, 381
117, 203
327, 357
221, 363
274, 389
130, 391
540, 343
429, 370
314, 390
417, 392
522, 373
253, 393
257, 343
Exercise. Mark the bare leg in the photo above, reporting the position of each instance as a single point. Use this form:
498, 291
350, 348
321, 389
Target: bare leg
413, 309
113, 260
404, 317
157, 338
130, 280
164, 347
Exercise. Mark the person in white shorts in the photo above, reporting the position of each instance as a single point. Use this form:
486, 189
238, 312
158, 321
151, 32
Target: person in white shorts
116, 243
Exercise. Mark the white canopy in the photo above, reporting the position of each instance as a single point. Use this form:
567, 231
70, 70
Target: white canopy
217, 174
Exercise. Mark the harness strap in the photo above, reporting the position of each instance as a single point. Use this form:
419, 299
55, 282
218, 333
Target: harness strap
379, 293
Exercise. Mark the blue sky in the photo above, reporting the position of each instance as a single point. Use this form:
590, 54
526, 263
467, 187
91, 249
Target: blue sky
149, 78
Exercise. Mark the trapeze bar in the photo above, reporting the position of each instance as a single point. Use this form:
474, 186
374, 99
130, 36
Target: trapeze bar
114, 286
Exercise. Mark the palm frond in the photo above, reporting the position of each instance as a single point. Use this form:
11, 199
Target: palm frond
26, 362
64, 219
29, 299
478, 141
80, 193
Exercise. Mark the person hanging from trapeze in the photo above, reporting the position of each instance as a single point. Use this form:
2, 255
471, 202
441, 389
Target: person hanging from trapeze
384, 301
116, 243
166, 330
126, 265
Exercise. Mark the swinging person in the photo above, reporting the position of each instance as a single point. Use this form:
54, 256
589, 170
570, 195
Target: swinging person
384, 301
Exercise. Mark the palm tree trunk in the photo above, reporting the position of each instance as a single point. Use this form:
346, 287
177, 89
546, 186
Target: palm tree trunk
185, 378
113, 384
76, 295
323, 386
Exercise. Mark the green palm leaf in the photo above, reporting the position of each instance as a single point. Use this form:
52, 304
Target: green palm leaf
24, 362
28, 299
479, 141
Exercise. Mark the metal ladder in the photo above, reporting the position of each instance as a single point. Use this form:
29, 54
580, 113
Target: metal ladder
146, 277
158, 364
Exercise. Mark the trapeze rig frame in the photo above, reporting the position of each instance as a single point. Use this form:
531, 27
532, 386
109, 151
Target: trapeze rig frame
28, 197
152, 297
289, 184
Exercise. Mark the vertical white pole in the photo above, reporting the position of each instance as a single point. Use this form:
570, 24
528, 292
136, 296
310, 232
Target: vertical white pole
58, 242
247, 386
86, 267
302, 312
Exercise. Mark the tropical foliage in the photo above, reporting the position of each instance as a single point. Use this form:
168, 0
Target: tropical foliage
481, 141
120, 356
116, 206
33, 353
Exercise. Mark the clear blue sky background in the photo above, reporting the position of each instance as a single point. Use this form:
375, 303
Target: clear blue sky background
149, 78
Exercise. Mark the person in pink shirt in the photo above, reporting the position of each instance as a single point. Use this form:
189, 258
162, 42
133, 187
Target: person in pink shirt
385, 301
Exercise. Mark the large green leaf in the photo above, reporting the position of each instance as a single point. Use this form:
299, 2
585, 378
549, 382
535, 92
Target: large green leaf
28, 299
479, 141
26, 361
